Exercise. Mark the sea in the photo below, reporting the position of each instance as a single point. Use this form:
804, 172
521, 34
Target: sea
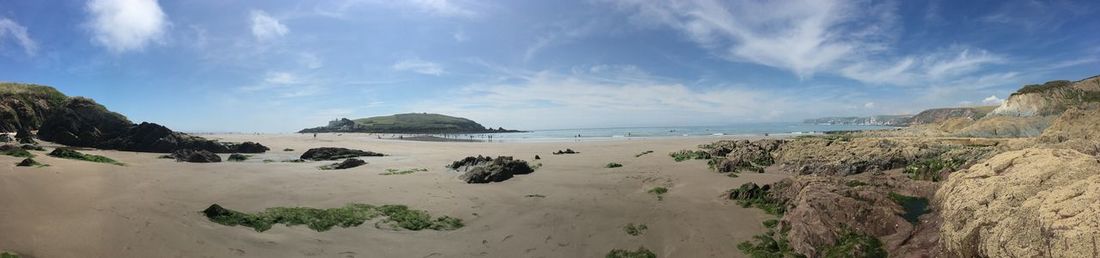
626, 133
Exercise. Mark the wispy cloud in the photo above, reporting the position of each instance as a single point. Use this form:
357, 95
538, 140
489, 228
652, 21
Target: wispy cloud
419, 66
124, 25
265, 27
310, 60
9, 28
442, 8
801, 36
945, 65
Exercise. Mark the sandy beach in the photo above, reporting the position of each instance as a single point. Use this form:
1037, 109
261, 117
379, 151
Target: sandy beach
151, 207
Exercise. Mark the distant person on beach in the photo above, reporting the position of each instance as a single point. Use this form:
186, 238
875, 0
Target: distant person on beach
314, 135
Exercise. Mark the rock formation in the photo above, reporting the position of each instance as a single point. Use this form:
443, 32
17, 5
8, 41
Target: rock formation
331, 153
346, 164
481, 169
1026, 203
196, 156
410, 123
26, 105
82, 122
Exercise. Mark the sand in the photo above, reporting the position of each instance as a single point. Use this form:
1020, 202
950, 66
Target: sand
150, 207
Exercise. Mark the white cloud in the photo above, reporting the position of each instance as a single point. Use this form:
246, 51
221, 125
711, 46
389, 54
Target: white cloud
593, 98
993, 100
309, 60
460, 36
801, 36
281, 78
943, 65
265, 27
418, 66
442, 8
869, 105
124, 25
9, 28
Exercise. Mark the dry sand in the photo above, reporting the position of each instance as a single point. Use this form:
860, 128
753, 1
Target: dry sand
150, 207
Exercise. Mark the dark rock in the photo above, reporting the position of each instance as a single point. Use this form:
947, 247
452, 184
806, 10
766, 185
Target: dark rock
749, 191
567, 151
216, 211
25, 136
346, 164
480, 170
5, 138
237, 157
196, 156
330, 153
537, 157
251, 147
28, 162
32, 147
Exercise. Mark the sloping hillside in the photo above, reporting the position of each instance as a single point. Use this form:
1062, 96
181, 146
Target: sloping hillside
26, 105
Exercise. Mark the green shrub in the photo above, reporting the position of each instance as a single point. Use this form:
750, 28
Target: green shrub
635, 230
72, 154
642, 252
614, 165
689, 155
325, 219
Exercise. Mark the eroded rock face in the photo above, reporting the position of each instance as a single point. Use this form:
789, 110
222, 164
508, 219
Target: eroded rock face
196, 156
820, 208
331, 153
1026, 203
480, 170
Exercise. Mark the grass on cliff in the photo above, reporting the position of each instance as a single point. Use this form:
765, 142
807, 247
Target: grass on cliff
642, 252
914, 206
689, 155
75, 155
399, 216
1038, 88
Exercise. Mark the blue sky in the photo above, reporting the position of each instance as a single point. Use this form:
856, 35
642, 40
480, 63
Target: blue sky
278, 66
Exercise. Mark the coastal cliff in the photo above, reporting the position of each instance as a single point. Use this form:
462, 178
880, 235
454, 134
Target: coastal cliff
25, 106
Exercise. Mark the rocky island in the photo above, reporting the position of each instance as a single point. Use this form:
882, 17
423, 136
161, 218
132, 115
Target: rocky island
409, 123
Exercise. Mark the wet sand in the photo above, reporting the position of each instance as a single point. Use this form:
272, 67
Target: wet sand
150, 207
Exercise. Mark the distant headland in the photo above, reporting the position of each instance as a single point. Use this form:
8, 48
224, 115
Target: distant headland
408, 123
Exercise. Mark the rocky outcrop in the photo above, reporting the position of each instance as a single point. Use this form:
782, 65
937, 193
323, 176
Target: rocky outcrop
1026, 203
331, 153
1007, 126
26, 105
939, 115
736, 155
891, 120
854, 155
346, 164
82, 122
1078, 124
481, 169
821, 209
196, 156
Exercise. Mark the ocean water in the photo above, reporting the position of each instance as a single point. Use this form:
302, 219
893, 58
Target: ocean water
625, 133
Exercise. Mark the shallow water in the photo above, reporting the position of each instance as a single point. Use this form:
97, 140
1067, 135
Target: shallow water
586, 134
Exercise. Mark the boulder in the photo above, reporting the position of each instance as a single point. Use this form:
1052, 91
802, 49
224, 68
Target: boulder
237, 157
566, 151
346, 164
732, 156
28, 162
196, 156
4, 138
1028, 203
250, 147
820, 209
480, 170
25, 136
330, 153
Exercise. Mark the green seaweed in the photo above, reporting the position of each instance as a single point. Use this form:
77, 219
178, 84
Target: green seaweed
325, 219
641, 252
75, 155
613, 165
914, 206
635, 230
643, 153
852, 244
689, 155
393, 171
659, 191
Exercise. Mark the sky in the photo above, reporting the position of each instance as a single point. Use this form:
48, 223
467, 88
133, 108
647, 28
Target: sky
279, 66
